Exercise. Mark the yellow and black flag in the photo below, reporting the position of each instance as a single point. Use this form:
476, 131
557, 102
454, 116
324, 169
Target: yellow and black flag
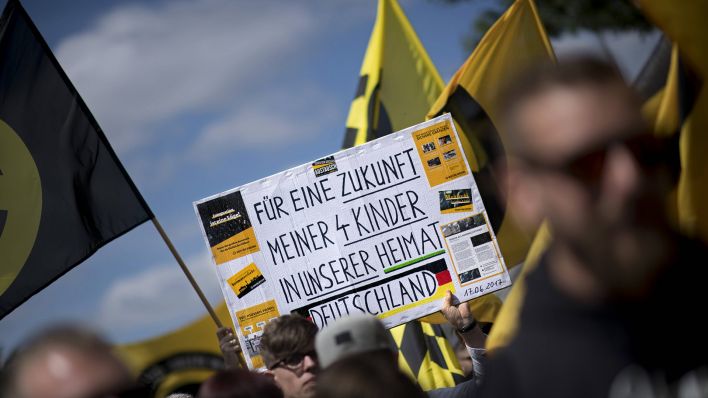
675, 102
179, 361
515, 41
63, 192
681, 108
397, 83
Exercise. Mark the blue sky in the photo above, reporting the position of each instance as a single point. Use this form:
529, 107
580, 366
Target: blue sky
201, 96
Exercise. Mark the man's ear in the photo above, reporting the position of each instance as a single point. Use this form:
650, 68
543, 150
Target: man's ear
524, 194
269, 373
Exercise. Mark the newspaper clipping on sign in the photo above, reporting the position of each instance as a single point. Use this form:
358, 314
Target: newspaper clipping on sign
385, 228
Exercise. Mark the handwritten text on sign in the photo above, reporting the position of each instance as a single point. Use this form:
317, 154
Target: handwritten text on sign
384, 228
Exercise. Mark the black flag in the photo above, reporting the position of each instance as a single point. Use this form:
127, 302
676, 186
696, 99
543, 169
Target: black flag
63, 192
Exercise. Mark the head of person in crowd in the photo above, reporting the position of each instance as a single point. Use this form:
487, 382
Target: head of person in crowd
584, 159
239, 383
353, 335
288, 350
361, 375
66, 362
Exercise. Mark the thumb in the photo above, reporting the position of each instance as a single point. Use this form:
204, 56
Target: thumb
447, 301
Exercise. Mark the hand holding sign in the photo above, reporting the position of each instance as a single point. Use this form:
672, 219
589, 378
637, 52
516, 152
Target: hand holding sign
459, 316
456, 313
230, 348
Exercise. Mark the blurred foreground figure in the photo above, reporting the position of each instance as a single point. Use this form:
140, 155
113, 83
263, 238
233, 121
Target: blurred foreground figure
360, 346
359, 359
239, 384
288, 350
585, 161
66, 362
360, 375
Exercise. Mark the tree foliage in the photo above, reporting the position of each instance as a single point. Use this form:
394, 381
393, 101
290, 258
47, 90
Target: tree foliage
561, 16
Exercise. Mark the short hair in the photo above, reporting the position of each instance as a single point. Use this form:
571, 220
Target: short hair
571, 72
239, 383
286, 335
362, 375
75, 338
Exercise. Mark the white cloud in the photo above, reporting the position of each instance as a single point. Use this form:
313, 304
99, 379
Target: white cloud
269, 121
140, 65
157, 299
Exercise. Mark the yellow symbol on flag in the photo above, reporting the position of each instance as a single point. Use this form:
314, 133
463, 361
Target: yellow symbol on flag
20, 204
179, 360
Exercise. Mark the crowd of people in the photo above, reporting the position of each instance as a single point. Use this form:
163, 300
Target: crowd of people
611, 310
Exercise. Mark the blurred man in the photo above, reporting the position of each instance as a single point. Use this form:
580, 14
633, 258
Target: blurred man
584, 160
239, 383
288, 350
66, 362
362, 338
359, 376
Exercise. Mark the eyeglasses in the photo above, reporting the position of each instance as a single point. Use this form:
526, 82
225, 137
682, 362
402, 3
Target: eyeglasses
651, 153
295, 361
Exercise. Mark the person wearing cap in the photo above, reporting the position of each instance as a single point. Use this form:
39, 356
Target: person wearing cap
364, 335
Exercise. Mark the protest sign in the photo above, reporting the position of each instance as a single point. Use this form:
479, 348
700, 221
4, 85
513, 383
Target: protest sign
384, 228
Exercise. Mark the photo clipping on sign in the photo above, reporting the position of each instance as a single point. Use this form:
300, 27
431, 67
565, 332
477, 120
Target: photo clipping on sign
384, 228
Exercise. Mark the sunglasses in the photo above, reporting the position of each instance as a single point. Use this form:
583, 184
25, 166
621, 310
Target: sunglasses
295, 361
652, 153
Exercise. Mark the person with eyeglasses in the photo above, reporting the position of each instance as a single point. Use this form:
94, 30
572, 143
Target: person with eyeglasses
594, 321
288, 350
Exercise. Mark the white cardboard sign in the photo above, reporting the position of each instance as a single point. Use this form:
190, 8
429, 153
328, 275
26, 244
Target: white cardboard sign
385, 228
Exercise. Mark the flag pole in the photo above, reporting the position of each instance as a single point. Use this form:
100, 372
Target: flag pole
193, 282
188, 274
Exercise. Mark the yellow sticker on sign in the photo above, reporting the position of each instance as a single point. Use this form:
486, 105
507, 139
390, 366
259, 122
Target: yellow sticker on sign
244, 281
440, 153
239, 245
228, 227
251, 321
455, 201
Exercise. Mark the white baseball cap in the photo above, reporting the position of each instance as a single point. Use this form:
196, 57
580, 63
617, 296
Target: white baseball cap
351, 335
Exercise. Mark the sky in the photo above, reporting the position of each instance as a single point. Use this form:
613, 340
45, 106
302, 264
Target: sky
199, 96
